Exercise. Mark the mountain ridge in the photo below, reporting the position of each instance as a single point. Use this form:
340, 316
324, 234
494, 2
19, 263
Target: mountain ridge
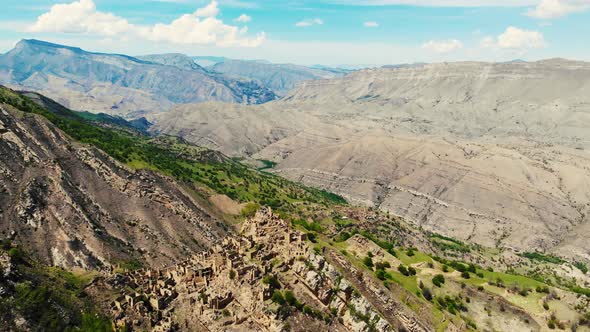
116, 84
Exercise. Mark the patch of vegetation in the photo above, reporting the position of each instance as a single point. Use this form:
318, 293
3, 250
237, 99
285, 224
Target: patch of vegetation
386, 245
407, 271
130, 265
446, 243
452, 304
250, 210
542, 257
272, 281
582, 267
313, 226
288, 302
581, 290
371, 322
368, 261
266, 164
380, 271
50, 299
173, 157
438, 280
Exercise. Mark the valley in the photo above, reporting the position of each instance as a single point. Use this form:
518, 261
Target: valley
294, 257
490, 153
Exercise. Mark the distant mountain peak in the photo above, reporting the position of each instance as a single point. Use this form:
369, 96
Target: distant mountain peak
120, 84
23, 43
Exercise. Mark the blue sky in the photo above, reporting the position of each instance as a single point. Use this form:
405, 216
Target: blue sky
330, 32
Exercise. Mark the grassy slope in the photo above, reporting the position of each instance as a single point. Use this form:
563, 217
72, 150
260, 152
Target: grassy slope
52, 298
178, 159
49, 298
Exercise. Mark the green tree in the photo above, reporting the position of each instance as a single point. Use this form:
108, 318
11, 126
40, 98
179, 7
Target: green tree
368, 261
438, 280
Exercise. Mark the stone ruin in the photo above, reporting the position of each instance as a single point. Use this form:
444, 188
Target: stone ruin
222, 289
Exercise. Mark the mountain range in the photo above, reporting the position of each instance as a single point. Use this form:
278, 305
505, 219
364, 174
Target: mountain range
279, 77
117, 84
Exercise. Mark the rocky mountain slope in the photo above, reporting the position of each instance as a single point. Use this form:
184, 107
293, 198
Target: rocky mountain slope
173, 59
74, 206
117, 84
491, 153
279, 77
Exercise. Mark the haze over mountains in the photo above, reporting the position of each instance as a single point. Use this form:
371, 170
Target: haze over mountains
278, 77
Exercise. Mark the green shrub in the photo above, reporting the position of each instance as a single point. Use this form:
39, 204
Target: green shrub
272, 281
292, 300
403, 270
581, 266
368, 261
543, 258
277, 297
381, 274
438, 280
250, 210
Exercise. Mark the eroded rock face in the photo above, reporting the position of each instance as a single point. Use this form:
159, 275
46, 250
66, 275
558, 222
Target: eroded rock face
74, 206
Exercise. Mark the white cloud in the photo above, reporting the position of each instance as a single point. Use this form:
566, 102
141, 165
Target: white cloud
211, 10
200, 27
443, 46
548, 9
243, 18
515, 39
310, 22
80, 17
371, 24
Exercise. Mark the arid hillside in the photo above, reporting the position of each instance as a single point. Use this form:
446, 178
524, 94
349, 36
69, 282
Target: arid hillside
491, 153
74, 206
